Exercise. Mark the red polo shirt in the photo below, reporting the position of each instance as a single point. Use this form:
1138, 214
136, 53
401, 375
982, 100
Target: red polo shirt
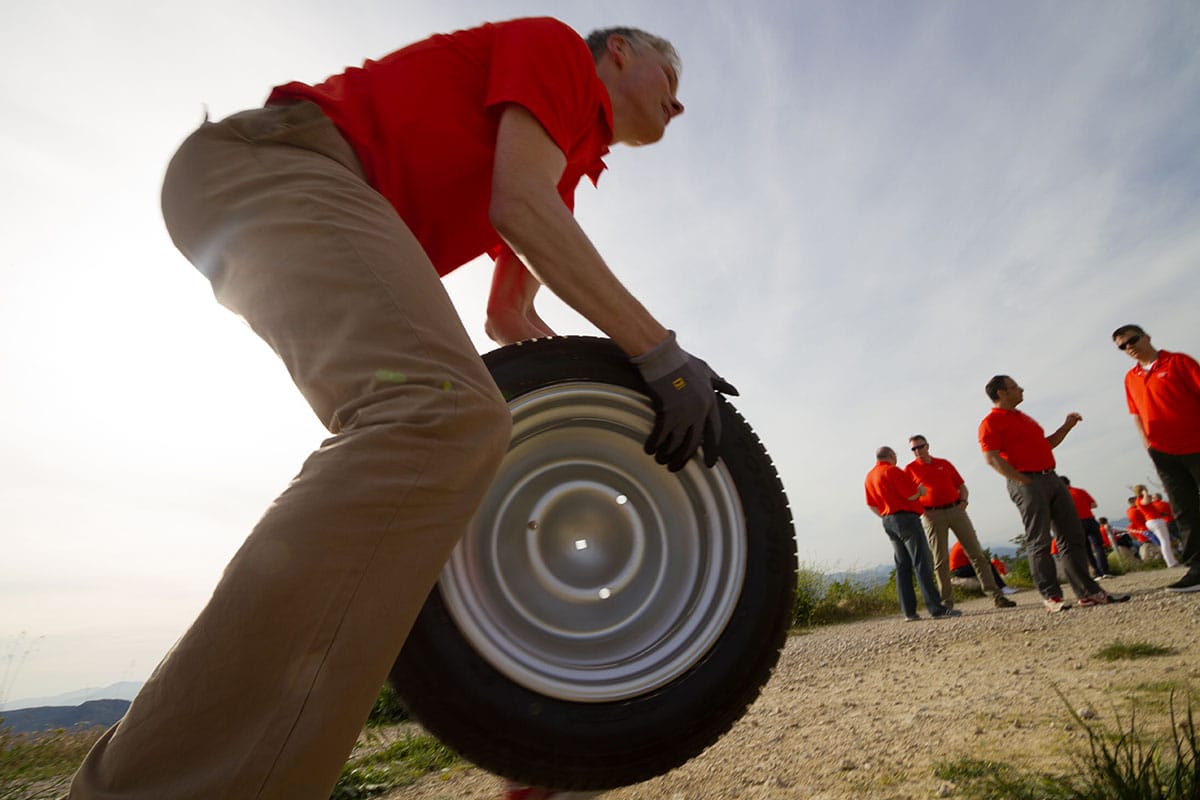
1083, 502
423, 123
1164, 510
1137, 520
958, 556
1020, 441
1149, 510
888, 488
1167, 400
940, 478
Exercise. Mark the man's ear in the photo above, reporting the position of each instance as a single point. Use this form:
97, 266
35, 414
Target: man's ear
618, 49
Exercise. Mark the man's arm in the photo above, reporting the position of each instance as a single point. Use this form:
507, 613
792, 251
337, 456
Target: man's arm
511, 316
1141, 429
875, 510
529, 215
962, 493
996, 462
1055, 439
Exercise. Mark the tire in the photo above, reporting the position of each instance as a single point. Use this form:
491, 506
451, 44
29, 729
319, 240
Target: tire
603, 620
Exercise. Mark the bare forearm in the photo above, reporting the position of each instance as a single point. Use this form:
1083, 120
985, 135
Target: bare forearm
1141, 429
996, 462
1055, 439
546, 236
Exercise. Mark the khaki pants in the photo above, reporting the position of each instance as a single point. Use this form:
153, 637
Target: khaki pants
264, 695
938, 525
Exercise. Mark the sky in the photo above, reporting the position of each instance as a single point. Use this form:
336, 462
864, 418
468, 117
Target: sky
867, 210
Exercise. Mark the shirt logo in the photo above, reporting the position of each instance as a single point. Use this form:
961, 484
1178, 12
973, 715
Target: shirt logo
679, 383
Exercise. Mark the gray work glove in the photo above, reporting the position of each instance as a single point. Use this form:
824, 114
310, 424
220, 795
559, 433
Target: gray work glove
683, 390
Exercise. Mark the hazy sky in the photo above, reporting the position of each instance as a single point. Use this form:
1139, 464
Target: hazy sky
868, 209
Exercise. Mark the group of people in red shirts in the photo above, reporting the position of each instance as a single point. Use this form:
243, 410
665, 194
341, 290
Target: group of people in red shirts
1151, 521
1163, 395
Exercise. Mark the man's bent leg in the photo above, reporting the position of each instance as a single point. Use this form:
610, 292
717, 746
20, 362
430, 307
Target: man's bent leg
964, 531
265, 694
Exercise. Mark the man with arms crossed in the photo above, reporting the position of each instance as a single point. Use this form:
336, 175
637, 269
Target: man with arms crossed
944, 508
1163, 393
892, 495
1017, 447
325, 220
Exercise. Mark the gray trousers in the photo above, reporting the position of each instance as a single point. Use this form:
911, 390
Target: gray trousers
264, 696
1043, 504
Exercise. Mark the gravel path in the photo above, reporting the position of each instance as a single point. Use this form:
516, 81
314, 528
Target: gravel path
865, 710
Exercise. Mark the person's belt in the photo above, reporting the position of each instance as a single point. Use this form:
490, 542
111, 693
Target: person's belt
896, 513
943, 508
1037, 471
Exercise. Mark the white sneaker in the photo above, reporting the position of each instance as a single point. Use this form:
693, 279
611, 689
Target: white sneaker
1009, 590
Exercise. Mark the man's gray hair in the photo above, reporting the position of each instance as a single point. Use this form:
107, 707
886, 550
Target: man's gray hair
597, 41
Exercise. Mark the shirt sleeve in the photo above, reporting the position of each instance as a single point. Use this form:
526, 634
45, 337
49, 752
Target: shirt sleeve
540, 65
988, 438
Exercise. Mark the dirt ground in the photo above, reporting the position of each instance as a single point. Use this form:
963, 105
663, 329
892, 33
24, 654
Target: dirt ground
865, 710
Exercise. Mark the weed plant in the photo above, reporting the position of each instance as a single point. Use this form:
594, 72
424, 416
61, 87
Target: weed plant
1128, 764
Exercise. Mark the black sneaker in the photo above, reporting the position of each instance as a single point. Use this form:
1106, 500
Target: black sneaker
1003, 602
946, 613
1188, 583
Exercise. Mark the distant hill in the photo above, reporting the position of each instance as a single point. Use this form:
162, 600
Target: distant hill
124, 690
91, 714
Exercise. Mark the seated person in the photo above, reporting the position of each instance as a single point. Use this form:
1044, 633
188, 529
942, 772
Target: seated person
960, 567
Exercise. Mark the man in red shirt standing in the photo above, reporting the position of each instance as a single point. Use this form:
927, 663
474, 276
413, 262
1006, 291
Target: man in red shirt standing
1084, 503
1015, 445
944, 508
1162, 391
893, 497
325, 220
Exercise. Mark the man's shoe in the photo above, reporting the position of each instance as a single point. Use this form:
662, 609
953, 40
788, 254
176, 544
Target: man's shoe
1102, 599
1188, 583
913, 618
1009, 590
1003, 602
947, 612
1056, 604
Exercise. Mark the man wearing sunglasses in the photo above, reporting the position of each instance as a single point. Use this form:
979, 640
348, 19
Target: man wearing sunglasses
1163, 393
944, 508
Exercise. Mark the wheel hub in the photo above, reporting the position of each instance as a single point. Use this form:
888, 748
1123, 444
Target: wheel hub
591, 573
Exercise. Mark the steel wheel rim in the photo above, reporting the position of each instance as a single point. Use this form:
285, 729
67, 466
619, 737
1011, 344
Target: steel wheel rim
590, 573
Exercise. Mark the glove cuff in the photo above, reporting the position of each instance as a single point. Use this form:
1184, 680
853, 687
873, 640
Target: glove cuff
662, 359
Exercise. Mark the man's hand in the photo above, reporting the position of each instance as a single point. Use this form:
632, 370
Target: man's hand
683, 389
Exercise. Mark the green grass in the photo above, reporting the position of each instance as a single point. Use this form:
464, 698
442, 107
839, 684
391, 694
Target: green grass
1127, 764
399, 764
37, 766
820, 601
1132, 650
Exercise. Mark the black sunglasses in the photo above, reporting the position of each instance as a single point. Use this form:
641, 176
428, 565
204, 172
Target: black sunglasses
1130, 342
917, 447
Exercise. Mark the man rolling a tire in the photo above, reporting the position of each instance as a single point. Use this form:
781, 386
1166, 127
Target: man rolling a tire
325, 220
